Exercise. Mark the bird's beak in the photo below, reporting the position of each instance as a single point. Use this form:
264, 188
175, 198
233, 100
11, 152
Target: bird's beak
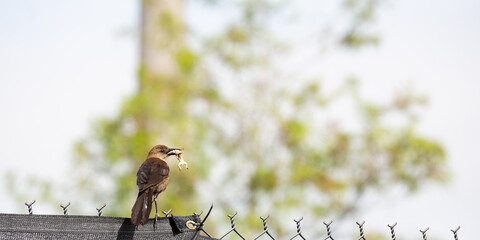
173, 151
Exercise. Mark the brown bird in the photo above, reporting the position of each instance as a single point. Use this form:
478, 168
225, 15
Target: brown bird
152, 179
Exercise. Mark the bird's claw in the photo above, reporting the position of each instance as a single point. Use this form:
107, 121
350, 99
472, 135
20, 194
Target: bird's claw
155, 222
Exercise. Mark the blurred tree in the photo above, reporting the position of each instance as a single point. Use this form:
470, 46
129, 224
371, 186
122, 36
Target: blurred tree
157, 114
258, 139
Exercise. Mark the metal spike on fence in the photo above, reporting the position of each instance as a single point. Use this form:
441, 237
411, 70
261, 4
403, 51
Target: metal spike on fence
199, 226
392, 230
29, 206
198, 214
299, 230
455, 232
360, 226
424, 233
265, 228
232, 220
264, 220
329, 233
233, 227
99, 210
167, 213
65, 208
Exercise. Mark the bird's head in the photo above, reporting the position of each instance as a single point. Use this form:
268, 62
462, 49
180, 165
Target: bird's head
162, 152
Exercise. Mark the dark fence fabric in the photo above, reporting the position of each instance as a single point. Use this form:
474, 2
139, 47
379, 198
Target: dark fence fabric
22, 226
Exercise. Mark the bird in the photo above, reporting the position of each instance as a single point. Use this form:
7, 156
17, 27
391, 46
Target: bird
152, 179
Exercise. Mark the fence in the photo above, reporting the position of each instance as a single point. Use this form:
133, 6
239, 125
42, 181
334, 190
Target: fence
22, 226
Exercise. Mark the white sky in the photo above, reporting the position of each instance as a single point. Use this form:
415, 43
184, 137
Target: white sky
63, 64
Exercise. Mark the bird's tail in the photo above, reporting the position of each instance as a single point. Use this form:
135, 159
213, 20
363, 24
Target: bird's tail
142, 207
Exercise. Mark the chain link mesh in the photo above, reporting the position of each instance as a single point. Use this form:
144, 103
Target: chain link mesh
195, 225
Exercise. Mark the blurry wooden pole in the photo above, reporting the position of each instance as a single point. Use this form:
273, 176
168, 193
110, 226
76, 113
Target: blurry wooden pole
161, 37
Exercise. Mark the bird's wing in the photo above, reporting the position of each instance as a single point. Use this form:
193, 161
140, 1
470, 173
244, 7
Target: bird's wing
151, 173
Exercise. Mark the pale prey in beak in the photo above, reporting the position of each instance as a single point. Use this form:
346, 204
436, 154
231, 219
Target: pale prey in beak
178, 152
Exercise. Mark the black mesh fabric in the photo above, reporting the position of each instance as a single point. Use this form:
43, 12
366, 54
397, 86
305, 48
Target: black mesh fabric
21, 226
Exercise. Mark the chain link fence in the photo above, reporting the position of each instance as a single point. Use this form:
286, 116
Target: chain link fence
15, 226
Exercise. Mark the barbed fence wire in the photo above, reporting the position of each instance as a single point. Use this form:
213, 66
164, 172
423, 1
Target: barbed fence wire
266, 233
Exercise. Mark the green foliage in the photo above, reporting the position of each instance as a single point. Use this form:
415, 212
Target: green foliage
186, 60
294, 131
354, 39
290, 158
362, 13
263, 179
169, 24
